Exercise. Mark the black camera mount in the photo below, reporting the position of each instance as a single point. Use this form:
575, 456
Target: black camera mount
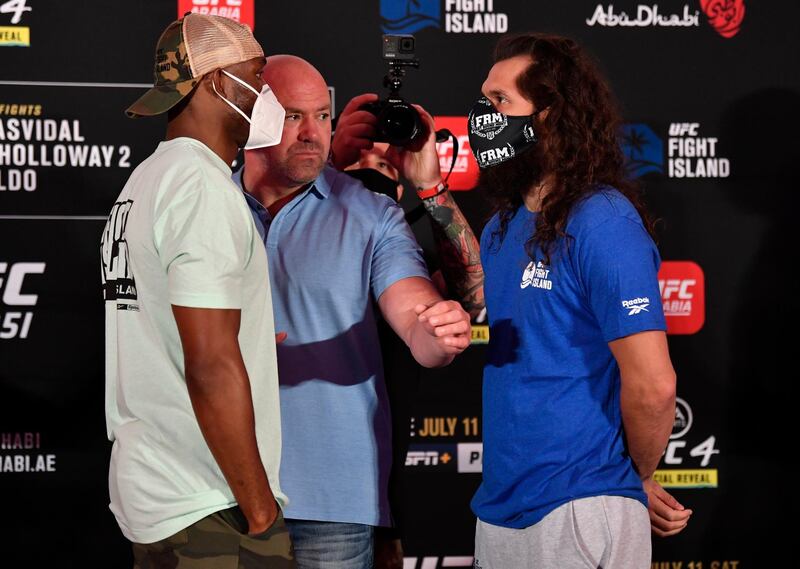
394, 79
398, 122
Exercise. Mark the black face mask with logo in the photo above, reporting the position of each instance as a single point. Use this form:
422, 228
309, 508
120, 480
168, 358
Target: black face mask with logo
375, 181
496, 137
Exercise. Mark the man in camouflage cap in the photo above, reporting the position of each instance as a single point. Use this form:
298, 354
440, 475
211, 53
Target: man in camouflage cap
191, 377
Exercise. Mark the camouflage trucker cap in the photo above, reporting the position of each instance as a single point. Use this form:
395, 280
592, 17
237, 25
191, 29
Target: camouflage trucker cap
188, 49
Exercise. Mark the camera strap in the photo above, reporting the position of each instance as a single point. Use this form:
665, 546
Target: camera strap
441, 136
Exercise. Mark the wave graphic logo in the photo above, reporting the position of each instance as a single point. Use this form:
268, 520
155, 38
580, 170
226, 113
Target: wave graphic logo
643, 150
409, 16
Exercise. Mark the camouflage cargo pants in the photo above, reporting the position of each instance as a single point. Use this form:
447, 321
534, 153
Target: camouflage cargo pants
217, 542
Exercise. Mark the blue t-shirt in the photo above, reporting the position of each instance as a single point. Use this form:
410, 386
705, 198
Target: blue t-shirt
552, 427
332, 251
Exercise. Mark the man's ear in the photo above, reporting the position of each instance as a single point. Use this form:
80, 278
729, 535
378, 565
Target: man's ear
216, 79
541, 115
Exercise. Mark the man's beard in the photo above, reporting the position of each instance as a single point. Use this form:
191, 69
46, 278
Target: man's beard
513, 178
301, 170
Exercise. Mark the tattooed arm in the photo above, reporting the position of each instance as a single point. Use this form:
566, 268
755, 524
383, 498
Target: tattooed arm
459, 251
456, 243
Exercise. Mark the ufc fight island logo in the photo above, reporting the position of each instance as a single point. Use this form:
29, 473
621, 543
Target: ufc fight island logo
536, 275
636, 305
460, 16
118, 283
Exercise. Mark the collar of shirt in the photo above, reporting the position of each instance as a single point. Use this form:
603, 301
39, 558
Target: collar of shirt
321, 187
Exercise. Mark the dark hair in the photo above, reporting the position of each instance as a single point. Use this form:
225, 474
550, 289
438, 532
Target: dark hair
578, 143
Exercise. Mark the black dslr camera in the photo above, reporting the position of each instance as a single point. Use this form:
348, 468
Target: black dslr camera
398, 122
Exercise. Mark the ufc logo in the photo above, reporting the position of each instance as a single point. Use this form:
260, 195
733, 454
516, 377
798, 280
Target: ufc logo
678, 287
216, 2
12, 279
436, 562
683, 128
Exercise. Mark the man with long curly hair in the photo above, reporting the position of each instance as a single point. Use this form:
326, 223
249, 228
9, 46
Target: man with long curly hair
579, 390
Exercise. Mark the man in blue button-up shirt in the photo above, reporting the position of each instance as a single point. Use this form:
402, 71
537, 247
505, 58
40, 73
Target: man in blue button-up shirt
336, 253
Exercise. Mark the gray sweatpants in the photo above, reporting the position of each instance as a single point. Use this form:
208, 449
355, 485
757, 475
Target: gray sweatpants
602, 532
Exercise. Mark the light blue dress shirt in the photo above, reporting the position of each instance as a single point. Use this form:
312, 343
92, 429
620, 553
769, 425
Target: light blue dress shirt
333, 250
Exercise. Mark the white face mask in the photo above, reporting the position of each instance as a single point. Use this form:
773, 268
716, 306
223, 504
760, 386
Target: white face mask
266, 121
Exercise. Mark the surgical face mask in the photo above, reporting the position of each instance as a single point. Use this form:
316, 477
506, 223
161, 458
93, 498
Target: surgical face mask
496, 137
266, 120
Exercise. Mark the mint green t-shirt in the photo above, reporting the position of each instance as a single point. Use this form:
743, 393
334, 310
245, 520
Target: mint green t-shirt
180, 233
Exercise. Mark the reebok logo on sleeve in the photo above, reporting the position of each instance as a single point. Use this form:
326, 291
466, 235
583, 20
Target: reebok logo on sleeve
636, 305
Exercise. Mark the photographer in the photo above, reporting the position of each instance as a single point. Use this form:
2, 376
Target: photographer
455, 250
361, 147
336, 252
354, 150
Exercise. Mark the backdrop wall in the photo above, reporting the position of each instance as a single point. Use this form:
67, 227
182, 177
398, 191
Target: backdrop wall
710, 91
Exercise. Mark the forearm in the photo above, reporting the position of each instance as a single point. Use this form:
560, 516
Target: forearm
648, 413
435, 330
459, 251
221, 398
426, 349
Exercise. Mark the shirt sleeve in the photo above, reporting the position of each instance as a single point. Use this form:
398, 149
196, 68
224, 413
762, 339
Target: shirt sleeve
618, 265
204, 241
396, 254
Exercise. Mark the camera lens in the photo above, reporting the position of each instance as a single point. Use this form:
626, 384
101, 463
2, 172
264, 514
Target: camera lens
407, 45
399, 124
